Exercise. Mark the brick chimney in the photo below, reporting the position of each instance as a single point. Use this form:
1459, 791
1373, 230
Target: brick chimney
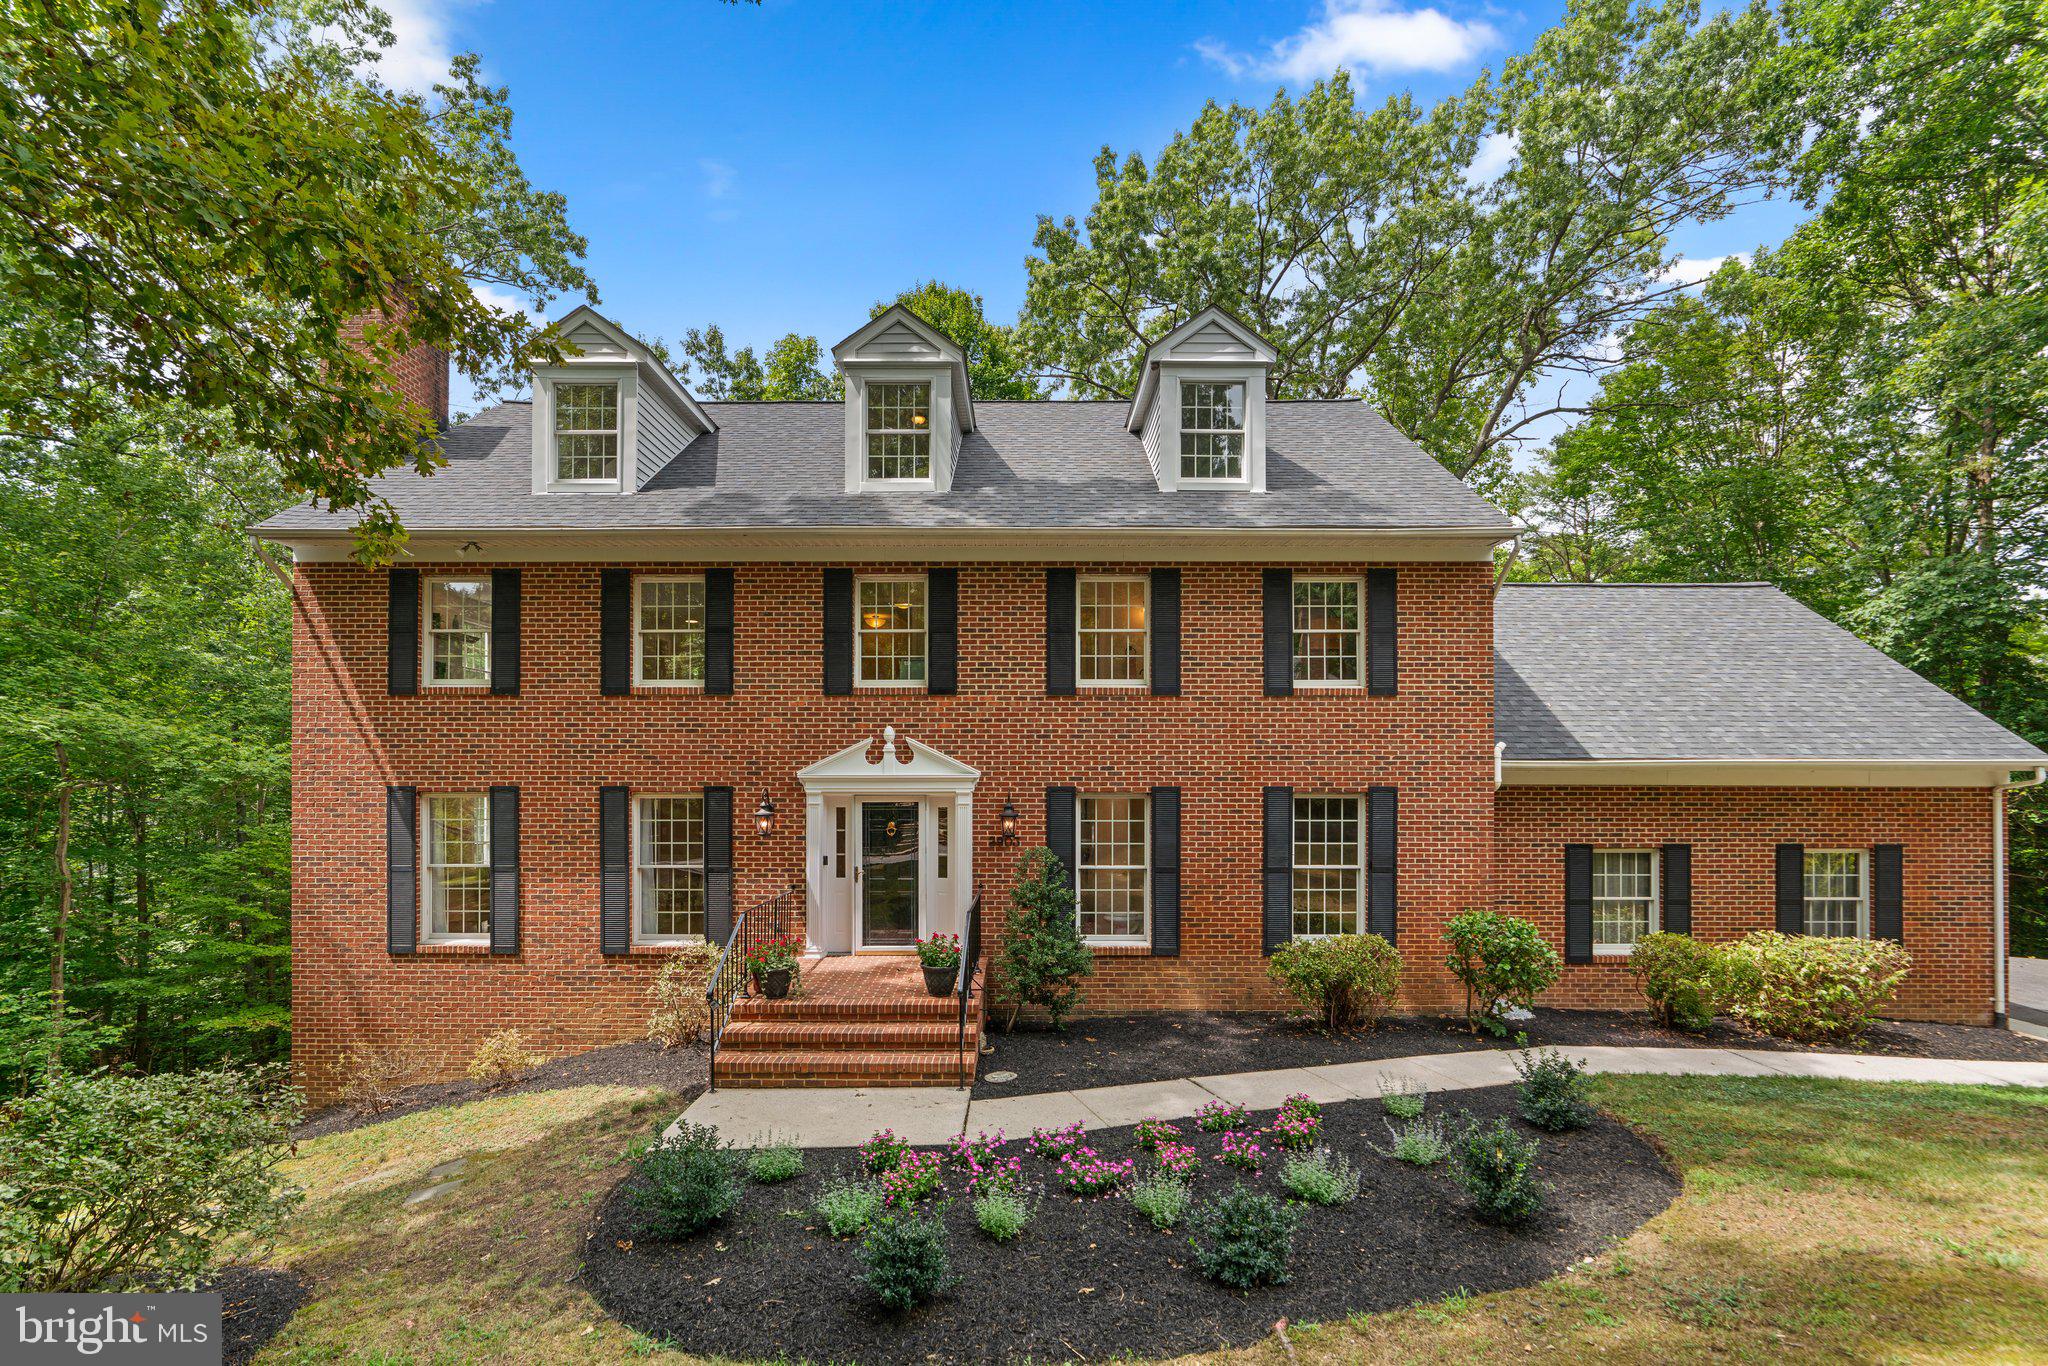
421, 374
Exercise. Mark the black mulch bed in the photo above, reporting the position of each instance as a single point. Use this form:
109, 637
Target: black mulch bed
682, 1071
255, 1302
1117, 1050
1093, 1278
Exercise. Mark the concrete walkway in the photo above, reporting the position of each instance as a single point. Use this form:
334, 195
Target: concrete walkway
2026, 1006
825, 1118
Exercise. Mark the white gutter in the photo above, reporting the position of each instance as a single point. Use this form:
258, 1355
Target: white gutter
1998, 889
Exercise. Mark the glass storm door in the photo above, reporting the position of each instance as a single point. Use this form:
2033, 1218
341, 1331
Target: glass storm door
888, 873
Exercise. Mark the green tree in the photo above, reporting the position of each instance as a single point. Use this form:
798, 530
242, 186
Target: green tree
996, 367
1043, 959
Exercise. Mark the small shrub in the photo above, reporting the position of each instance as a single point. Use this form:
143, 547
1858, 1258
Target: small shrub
1242, 1151
689, 1181
1043, 959
1179, 1160
1221, 1115
903, 1261
1153, 1132
1496, 1166
502, 1058
1053, 1144
919, 1176
371, 1079
847, 1207
1343, 979
1090, 1175
883, 1153
1419, 1142
1810, 988
1404, 1099
1163, 1198
967, 1153
1002, 1214
1680, 977
1552, 1093
1300, 1106
988, 1168
1294, 1131
775, 1163
1320, 1178
1244, 1239
680, 1015
1504, 962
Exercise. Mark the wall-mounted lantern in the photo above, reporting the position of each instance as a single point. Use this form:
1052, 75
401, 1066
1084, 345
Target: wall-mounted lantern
764, 816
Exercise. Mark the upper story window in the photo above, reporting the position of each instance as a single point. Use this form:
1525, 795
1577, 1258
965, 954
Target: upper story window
1111, 867
458, 869
668, 858
889, 631
668, 635
1329, 866
899, 439
1113, 645
1837, 894
586, 433
1329, 631
1212, 429
458, 630
1624, 898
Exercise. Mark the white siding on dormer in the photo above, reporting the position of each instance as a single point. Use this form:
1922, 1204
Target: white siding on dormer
662, 437
592, 341
1212, 342
899, 342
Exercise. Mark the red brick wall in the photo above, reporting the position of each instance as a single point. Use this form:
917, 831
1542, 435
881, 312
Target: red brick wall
559, 740
1733, 833
420, 374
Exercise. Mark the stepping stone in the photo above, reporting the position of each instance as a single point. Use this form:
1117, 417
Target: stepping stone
418, 1197
448, 1168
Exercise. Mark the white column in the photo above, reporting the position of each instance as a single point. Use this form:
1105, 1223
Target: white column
817, 850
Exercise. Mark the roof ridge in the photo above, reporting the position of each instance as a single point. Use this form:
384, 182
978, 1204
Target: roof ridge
1639, 583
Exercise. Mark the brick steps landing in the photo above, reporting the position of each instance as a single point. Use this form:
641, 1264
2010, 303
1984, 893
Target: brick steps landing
860, 1021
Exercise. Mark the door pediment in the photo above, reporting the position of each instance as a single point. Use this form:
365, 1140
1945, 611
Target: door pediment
921, 769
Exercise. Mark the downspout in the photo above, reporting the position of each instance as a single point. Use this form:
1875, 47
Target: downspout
1500, 749
1998, 955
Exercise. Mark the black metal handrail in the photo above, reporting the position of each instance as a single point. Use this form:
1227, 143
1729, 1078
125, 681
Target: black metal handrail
970, 967
729, 980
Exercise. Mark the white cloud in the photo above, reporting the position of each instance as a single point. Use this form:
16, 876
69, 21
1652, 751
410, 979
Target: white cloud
1687, 273
1495, 151
1364, 35
503, 300
718, 177
423, 49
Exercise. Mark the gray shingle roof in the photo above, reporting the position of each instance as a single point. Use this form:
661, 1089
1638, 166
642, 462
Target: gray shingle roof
1714, 671
1329, 465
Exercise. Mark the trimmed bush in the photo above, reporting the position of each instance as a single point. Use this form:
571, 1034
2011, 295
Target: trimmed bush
1810, 988
1504, 963
1320, 1178
847, 1207
1496, 1166
688, 1182
1244, 1239
903, 1261
1002, 1214
1163, 1198
1552, 1094
1680, 977
776, 1163
1344, 979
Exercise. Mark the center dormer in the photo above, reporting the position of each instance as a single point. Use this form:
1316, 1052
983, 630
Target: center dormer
1200, 406
907, 404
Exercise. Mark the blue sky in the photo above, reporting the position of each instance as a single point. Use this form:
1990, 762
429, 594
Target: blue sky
780, 167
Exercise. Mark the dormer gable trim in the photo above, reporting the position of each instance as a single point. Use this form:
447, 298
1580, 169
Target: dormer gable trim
644, 360
1195, 343
611, 392
857, 350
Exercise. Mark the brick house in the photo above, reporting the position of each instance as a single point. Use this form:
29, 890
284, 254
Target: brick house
1242, 662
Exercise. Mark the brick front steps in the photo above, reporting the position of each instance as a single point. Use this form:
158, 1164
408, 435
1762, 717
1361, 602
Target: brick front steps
860, 1020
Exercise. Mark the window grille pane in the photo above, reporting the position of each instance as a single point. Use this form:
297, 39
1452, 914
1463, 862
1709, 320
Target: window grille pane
1624, 896
1211, 430
670, 854
1111, 622
1111, 868
459, 630
889, 619
1328, 865
1834, 894
1327, 622
671, 630
458, 866
899, 431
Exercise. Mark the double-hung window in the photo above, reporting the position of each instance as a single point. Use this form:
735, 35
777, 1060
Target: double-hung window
1111, 869
668, 859
1112, 644
1329, 866
1212, 429
1624, 898
1329, 631
1837, 893
899, 430
586, 433
458, 869
889, 631
668, 634
457, 624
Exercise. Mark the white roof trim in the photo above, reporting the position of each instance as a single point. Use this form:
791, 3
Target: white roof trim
1738, 772
842, 354
924, 769
649, 364
1148, 374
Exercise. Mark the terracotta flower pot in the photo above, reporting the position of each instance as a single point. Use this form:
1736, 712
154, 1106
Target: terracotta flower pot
939, 981
774, 983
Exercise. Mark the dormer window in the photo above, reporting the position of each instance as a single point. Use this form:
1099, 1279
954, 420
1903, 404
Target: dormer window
586, 433
608, 416
899, 430
1212, 429
1200, 405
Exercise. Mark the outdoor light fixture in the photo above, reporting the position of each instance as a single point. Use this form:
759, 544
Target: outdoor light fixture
764, 815
1009, 822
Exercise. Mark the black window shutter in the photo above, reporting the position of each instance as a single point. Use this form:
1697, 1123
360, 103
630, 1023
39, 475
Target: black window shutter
718, 632
1791, 883
505, 631
1059, 829
401, 868
402, 623
1166, 872
1059, 633
1578, 903
942, 630
1277, 915
718, 864
836, 602
1166, 633
1382, 632
1888, 892
1279, 600
615, 632
614, 855
1382, 858
504, 870
1675, 862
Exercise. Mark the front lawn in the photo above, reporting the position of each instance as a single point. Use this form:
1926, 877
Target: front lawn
1827, 1218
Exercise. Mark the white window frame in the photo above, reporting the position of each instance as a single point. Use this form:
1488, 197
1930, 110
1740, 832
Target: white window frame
617, 432
868, 477
1862, 857
640, 678
1143, 868
1358, 804
860, 630
1656, 917
427, 631
641, 868
1357, 581
1243, 434
1144, 679
431, 886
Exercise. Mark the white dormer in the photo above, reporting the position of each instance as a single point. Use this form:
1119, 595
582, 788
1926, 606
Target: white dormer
907, 404
610, 416
1200, 407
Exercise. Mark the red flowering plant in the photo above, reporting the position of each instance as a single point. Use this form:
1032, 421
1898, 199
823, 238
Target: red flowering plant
774, 955
939, 951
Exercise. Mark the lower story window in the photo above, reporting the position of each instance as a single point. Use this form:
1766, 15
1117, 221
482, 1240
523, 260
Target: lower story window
669, 861
1329, 866
1624, 898
458, 867
1836, 902
1111, 867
